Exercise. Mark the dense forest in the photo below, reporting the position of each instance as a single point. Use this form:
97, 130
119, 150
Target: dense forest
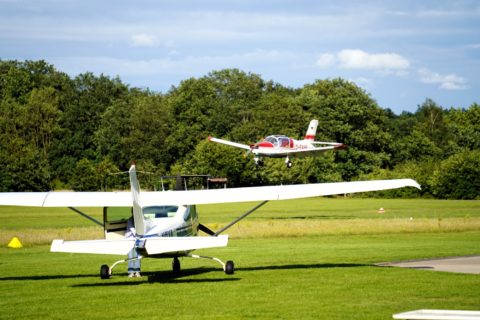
62, 133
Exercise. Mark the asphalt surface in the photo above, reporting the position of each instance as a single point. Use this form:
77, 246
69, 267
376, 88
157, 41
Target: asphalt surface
466, 264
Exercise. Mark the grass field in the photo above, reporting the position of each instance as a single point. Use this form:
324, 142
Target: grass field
308, 259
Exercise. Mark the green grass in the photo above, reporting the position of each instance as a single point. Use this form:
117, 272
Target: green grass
303, 276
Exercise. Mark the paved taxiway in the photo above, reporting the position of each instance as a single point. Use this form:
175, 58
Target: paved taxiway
466, 264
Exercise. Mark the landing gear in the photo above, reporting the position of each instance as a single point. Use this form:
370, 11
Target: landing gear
229, 267
104, 272
288, 162
258, 161
176, 266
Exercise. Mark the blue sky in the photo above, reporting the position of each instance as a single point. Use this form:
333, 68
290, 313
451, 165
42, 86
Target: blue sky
400, 52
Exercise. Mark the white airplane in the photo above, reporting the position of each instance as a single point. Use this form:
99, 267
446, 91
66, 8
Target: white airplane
280, 146
166, 222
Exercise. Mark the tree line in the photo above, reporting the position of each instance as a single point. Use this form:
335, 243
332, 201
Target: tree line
59, 132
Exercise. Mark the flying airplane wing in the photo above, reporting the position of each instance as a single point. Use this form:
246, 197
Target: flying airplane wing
230, 143
124, 199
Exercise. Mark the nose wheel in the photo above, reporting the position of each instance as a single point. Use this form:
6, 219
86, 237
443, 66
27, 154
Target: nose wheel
176, 266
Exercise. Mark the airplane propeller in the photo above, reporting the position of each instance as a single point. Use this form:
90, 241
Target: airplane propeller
252, 146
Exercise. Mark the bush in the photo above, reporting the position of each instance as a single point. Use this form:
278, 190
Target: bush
458, 177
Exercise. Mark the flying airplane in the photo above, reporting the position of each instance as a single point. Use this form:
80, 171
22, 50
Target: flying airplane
280, 146
166, 222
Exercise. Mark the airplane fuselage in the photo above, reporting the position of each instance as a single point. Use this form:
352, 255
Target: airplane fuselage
278, 146
170, 221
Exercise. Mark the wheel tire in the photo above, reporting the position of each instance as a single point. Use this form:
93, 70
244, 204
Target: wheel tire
229, 267
289, 165
176, 266
104, 272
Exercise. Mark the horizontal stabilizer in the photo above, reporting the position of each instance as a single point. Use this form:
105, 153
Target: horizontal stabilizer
117, 247
179, 244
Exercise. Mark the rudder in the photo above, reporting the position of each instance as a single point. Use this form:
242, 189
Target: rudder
312, 130
137, 208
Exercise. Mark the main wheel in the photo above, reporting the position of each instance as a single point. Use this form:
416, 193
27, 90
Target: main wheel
104, 272
229, 267
176, 266
289, 164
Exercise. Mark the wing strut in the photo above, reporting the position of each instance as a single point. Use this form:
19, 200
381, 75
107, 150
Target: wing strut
86, 216
241, 217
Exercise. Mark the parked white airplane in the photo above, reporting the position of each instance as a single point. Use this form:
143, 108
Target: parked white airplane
166, 222
280, 146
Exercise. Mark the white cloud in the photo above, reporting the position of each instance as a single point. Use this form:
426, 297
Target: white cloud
143, 40
358, 59
446, 82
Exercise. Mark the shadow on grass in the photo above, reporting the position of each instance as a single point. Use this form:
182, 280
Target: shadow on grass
304, 266
48, 277
169, 277
161, 277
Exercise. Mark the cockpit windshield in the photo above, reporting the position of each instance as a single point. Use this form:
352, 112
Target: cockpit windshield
154, 212
272, 140
278, 141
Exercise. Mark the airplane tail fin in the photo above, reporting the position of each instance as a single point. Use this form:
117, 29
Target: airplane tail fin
137, 209
312, 130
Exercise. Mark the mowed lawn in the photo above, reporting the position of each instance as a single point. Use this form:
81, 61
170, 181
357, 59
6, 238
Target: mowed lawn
285, 270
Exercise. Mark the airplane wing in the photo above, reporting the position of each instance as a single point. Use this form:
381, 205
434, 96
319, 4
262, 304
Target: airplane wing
272, 192
229, 143
67, 199
124, 199
153, 245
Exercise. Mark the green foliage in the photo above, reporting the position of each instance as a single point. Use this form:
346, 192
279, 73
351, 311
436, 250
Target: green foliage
54, 129
421, 171
458, 177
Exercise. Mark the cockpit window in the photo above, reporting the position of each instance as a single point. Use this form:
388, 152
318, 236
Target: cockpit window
272, 140
159, 212
278, 141
283, 142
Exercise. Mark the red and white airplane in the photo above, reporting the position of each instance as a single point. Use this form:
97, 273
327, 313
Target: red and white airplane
280, 146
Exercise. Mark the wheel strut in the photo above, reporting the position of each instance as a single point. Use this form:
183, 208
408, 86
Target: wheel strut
228, 267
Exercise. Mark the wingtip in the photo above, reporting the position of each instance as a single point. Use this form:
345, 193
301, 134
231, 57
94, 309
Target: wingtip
413, 183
